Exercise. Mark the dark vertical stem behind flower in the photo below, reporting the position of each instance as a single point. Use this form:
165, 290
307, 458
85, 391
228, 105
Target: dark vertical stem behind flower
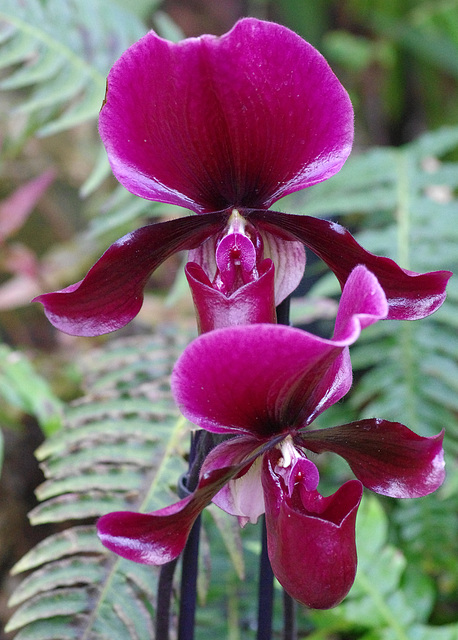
190, 558
266, 590
188, 592
266, 576
289, 617
164, 592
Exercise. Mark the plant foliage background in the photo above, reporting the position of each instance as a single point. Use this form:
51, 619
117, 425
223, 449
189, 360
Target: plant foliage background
98, 412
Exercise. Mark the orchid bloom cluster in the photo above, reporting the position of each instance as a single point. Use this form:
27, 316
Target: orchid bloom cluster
226, 126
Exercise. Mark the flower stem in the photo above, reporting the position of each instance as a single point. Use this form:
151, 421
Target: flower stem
266, 576
289, 617
188, 591
164, 594
266, 590
283, 311
190, 556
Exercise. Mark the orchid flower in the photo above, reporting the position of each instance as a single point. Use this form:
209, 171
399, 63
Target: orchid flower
225, 126
264, 384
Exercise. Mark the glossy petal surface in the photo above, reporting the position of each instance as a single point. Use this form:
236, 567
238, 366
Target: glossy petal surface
214, 122
111, 294
311, 542
251, 303
288, 258
386, 456
281, 377
410, 295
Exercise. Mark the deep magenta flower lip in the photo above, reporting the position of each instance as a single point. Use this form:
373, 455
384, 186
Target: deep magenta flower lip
212, 123
312, 553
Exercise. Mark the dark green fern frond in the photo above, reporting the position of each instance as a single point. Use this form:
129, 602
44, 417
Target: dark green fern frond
122, 447
62, 50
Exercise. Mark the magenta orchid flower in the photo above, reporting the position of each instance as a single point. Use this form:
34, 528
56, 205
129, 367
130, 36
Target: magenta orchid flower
264, 385
225, 126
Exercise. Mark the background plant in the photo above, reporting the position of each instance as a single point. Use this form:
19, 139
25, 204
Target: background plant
121, 440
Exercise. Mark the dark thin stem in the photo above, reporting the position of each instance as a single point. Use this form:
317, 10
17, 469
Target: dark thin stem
266, 576
164, 595
190, 556
266, 590
289, 617
188, 592
283, 311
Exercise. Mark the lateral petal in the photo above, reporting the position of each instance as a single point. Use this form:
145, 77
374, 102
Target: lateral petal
410, 295
159, 537
111, 294
387, 457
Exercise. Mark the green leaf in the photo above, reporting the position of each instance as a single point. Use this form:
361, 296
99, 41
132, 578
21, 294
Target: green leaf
383, 601
122, 447
22, 387
63, 50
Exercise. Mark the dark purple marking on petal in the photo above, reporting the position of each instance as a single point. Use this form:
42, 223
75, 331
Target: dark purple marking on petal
410, 295
387, 457
111, 294
216, 122
311, 543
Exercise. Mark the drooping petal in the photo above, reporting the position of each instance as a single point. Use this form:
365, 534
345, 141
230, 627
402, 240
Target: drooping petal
159, 537
111, 294
311, 542
386, 456
410, 295
214, 122
270, 379
251, 303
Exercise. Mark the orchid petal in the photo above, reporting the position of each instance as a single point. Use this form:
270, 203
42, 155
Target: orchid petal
311, 543
269, 379
251, 303
228, 247
159, 537
288, 258
386, 456
243, 495
214, 122
410, 295
111, 294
